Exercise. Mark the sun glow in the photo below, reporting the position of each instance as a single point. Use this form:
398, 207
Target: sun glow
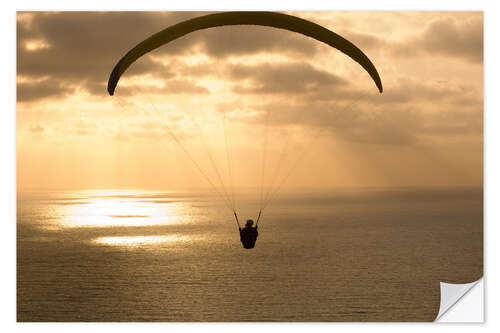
35, 45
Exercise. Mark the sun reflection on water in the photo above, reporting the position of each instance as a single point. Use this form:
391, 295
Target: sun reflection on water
138, 240
121, 209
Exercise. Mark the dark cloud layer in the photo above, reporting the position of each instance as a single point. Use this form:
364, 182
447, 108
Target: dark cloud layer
365, 41
353, 124
240, 40
391, 125
37, 90
83, 47
449, 37
287, 78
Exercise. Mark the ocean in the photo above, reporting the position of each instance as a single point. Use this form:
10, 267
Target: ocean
338, 255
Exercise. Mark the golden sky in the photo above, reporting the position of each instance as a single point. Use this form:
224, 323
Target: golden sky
228, 92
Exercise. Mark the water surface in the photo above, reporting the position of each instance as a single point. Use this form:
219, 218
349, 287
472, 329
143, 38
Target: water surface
345, 255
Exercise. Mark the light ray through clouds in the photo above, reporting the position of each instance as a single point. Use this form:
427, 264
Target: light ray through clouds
428, 120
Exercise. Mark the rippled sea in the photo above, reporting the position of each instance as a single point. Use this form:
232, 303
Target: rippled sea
344, 255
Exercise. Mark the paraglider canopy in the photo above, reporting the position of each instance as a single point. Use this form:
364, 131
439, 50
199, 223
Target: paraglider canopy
269, 19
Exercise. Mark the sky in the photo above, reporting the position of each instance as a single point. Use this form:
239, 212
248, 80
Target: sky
249, 106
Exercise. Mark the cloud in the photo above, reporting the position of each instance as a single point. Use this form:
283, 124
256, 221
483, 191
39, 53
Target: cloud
283, 78
390, 125
404, 91
460, 38
365, 41
454, 123
463, 40
352, 124
244, 40
81, 48
407, 90
40, 89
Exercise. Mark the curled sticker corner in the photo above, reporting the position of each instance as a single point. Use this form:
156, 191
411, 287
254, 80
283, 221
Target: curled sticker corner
451, 293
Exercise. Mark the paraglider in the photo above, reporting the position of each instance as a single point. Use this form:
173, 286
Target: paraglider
248, 235
269, 19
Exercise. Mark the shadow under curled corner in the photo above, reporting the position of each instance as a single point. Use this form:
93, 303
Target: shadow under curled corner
461, 302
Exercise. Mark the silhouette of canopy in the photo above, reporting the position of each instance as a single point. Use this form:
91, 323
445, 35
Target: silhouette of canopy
269, 19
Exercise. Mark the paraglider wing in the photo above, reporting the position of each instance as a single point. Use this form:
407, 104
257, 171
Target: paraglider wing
269, 19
